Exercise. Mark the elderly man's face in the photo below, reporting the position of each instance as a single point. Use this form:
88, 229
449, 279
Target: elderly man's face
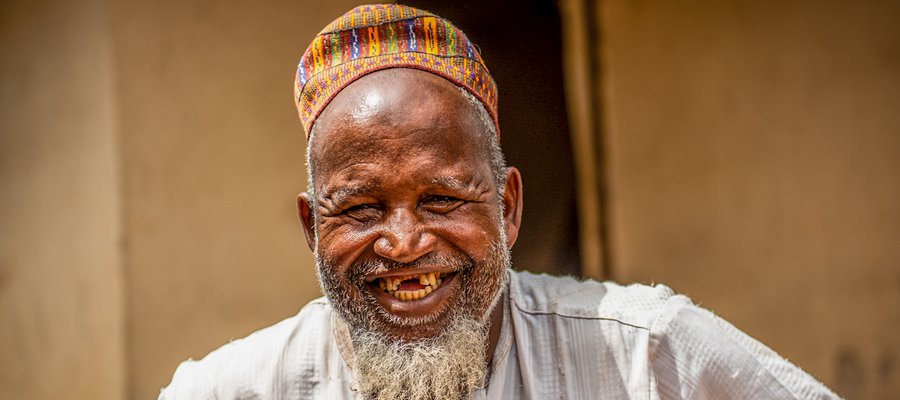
409, 228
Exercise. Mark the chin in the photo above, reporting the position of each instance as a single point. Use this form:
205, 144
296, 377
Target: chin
423, 332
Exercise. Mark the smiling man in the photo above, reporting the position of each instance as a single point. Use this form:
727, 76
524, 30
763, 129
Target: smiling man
411, 213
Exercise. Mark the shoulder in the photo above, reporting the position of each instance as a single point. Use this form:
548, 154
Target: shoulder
691, 352
254, 365
633, 305
695, 352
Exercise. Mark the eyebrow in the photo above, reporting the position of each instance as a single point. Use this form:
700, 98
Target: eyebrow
343, 194
453, 183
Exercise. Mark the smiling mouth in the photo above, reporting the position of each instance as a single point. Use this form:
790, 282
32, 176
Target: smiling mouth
411, 287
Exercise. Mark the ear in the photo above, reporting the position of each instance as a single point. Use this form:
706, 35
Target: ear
307, 219
512, 205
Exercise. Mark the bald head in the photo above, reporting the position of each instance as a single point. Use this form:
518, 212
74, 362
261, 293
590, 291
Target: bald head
396, 96
368, 115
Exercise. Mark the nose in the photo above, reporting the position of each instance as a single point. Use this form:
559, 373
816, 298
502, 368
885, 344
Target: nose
404, 238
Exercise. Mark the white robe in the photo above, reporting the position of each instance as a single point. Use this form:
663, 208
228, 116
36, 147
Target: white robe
561, 339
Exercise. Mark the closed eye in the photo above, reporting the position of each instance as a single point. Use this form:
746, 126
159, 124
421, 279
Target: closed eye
441, 204
363, 212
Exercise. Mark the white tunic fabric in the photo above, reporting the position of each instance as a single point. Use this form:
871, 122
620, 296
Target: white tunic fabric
561, 339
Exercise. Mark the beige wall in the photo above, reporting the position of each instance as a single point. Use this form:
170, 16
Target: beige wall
61, 320
148, 169
754, 153
159, 120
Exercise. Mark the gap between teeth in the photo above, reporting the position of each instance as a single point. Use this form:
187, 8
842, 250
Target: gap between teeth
391, 285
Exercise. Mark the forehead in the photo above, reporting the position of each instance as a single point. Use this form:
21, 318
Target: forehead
394, 117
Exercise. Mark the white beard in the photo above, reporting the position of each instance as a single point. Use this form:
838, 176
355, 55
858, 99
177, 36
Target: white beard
449, 366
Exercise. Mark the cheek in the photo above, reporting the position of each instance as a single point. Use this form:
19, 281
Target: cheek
341, 243
472, 231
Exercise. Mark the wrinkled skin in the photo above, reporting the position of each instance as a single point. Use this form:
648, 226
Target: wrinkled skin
403, 185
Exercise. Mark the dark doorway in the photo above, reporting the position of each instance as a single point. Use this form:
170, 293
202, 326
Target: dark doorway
521, 43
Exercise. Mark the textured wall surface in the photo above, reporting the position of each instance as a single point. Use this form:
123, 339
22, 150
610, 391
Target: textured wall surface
61, 319
754, 155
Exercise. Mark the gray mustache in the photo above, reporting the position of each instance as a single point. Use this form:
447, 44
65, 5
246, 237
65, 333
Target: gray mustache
358, 271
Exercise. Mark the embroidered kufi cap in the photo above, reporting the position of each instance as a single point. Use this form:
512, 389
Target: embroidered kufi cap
375, 37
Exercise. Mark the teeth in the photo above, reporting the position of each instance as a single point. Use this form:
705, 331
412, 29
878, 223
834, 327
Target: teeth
430, 281
409, 295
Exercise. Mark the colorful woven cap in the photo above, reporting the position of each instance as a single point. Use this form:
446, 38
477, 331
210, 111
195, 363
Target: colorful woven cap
375, 37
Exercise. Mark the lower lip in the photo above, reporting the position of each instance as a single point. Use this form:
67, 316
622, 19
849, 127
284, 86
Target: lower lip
432, 303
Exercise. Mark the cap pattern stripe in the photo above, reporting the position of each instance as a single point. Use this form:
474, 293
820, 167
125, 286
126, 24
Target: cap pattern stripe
376, 37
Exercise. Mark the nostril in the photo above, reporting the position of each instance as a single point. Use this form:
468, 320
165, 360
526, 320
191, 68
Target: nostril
383, 247
404, 245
